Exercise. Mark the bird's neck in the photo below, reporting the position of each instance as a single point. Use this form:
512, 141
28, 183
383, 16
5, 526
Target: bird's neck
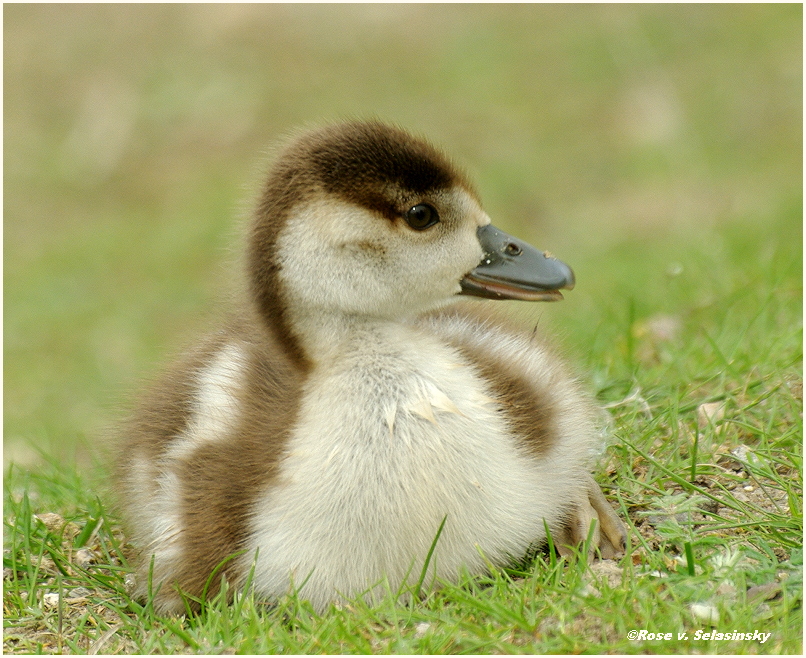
325, 336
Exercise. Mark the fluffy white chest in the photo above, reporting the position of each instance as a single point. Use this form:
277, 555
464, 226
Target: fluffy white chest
392, 438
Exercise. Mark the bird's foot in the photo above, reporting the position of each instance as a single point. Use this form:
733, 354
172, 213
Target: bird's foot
609, 537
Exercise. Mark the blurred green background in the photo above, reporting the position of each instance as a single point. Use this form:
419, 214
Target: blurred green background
624, 138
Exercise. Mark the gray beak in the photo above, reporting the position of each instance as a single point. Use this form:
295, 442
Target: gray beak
513, 269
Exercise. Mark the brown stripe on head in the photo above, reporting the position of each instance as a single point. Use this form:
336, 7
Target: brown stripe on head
371, 165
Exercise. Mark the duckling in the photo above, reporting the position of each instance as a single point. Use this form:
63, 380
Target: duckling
352, 418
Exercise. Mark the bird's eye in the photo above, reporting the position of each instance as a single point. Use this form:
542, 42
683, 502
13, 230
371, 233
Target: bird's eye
421, 217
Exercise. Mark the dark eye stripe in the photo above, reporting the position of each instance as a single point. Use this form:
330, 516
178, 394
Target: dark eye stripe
421, 216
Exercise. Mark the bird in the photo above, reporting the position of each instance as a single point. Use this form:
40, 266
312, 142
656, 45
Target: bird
363, 421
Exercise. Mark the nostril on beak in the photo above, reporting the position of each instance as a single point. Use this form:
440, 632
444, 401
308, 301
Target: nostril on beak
512, 249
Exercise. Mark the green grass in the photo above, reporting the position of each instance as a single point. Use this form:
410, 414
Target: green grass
657, 149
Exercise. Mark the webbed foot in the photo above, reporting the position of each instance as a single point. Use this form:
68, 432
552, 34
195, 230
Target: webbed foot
609, 534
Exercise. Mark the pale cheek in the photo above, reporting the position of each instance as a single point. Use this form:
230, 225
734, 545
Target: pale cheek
444, 266
470, 251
